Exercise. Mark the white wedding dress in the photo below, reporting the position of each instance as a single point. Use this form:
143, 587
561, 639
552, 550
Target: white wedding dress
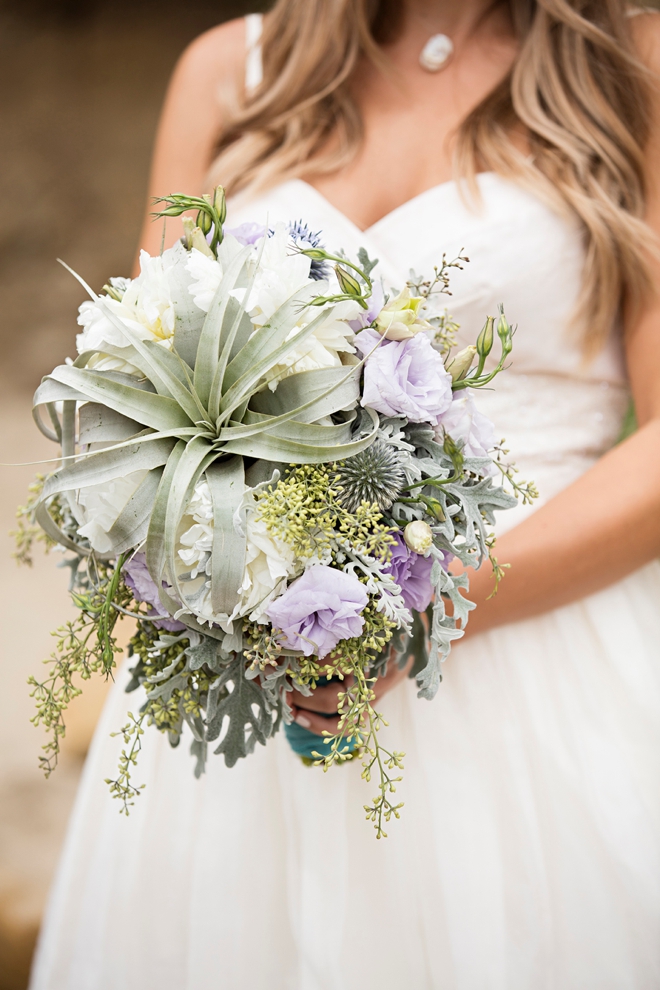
527, 854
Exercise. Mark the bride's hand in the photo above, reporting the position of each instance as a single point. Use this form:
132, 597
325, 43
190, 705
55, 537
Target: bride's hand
318, 712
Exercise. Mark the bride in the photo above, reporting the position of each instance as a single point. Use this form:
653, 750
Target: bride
527, 855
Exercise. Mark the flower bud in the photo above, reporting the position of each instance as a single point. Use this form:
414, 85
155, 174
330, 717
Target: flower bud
485, 339
175, 210
198, 241
188, 228
459, 367
504, 332
435, 506
204, 221
347, 283
220, 203
418, 536
316, 254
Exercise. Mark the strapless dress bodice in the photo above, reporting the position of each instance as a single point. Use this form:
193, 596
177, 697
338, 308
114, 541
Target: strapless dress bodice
557, 412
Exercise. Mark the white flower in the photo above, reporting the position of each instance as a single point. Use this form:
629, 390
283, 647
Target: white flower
280, 274
400, 318
98, 507
206, 277
198, 539
463, 421
268, 564
268, 561
146, 308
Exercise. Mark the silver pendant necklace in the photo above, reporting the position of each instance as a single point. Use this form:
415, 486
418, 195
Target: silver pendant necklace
436, 53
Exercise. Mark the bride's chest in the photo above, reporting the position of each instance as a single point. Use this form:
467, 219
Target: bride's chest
521, 253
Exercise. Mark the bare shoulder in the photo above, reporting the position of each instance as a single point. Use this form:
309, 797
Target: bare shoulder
214, 59
202, 92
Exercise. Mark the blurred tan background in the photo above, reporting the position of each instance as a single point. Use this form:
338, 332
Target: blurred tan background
81, 83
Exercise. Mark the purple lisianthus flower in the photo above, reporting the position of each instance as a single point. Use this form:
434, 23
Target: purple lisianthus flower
463, 421
412, 572
319, 609
247, 233
139, 580
405, 378
376, 301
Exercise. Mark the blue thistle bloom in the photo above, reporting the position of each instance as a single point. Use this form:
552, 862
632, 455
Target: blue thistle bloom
375, 475
303, 238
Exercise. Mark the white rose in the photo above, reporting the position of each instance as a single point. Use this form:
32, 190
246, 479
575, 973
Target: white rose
146, 308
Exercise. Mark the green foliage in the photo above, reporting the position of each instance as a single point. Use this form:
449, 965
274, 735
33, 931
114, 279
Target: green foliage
27, 530
121, 786
211, 212
236, 706
359, 722
525, 491
84, 646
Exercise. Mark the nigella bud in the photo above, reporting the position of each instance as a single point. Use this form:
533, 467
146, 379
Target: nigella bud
459, 367
204, 221
485, 338
347, 283
418, 536
504, 332
220, 203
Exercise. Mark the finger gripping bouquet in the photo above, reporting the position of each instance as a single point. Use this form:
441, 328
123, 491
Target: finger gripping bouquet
269, 462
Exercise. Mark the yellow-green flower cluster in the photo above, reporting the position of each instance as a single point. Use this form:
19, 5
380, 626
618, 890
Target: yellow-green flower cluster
303, 510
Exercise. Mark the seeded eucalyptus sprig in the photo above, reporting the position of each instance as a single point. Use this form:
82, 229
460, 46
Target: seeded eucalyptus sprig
211, 212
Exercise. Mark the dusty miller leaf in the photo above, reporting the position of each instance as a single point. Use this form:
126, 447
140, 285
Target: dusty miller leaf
237, 705
366, 263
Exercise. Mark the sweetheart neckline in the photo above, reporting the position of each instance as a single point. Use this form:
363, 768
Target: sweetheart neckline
440, 186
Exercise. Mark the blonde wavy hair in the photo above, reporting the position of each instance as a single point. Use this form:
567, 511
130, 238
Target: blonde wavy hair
577, 90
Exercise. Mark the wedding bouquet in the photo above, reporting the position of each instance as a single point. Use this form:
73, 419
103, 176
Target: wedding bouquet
269, 461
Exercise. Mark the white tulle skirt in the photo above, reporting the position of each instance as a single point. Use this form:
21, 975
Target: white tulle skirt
526, 858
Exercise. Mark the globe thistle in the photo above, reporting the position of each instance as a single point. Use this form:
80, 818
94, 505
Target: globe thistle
304, 238
375, 475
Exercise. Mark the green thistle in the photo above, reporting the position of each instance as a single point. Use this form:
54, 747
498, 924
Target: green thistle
375, 475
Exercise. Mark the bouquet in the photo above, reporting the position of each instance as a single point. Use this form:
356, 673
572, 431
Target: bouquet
269, 460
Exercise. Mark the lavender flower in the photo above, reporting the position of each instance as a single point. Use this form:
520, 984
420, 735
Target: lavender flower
319, 610
247, 233
463, 421
404, 378
137, 577
412, 573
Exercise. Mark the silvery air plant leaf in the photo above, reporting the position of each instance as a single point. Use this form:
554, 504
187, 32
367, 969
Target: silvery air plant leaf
270, 461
